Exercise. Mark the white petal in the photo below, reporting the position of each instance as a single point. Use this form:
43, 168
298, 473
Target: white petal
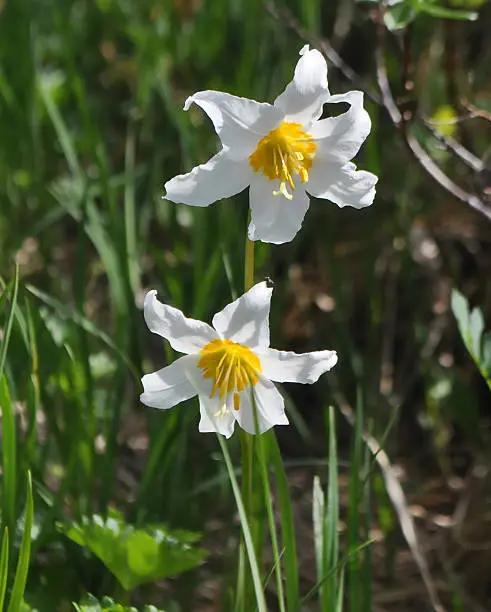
340, 138
304, 97
167, 387
343, 185
210, 422
246, 320
221, 177
286, 366
239, 122
270, 408
185, 335
274, 218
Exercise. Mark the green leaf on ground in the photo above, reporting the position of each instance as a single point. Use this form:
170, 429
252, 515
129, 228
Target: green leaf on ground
471, 327
106, 604
136, 556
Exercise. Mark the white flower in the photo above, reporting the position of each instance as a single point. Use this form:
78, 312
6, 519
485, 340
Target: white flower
229, 366
282, 152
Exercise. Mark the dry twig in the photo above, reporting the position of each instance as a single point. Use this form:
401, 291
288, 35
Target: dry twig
386, 100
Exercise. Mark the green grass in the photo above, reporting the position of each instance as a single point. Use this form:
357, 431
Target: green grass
91, 119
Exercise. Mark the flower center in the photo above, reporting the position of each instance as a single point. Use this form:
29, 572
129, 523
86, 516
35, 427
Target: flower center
285, 151
232, 367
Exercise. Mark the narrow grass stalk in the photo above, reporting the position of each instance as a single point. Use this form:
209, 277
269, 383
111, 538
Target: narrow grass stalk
289, 553
271, 522
9, 450
355, 591
4, 566
20, 579
328, 594
246, 531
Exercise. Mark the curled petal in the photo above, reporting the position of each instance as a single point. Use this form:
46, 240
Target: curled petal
185, 335
221, 177
304, 96
167, 387
270, 408
246, 320
343, 185
340, 138
239, 122
286, 366
274, 218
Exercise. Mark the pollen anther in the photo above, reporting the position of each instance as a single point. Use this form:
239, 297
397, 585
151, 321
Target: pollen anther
233, 367
285, 151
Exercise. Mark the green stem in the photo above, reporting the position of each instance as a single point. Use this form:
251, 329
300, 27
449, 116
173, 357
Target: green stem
247, 440
249, 265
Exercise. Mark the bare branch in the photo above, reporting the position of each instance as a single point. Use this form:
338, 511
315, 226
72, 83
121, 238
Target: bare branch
468, 158
387, 101
421, 156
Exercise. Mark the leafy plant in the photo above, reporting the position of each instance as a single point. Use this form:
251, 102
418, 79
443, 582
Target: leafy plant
400, 13
106, 604
136, 556
471, 327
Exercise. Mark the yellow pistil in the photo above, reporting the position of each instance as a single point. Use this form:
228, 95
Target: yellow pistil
232, 367
285, 151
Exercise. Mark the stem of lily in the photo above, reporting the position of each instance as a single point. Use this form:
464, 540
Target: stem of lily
246, 439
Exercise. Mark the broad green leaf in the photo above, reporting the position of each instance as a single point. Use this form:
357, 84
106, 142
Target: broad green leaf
136, 556
460, 309
486, 353
399, 16
467, 4
471, 328
106, 604
476, 328
447, 13
17, 596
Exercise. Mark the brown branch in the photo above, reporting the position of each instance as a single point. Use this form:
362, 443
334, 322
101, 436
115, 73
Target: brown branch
387, 101
418, 152
468, 158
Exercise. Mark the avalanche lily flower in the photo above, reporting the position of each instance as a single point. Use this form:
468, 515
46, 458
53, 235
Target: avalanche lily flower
283, 152
229, 366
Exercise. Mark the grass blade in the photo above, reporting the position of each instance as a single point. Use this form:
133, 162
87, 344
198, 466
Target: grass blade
271, 522
10, 321
9, 457
328, 594
20, 579
256, 576
4, 566
287, 525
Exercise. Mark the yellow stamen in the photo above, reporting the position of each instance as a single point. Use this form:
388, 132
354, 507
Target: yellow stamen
232, 366
285, 151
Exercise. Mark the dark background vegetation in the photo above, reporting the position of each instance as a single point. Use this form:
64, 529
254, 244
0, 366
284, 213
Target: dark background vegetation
91, 96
